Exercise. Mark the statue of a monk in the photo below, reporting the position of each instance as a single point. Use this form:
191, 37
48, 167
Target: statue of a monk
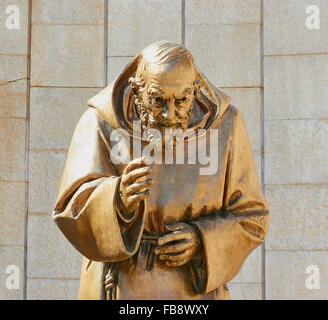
160, 230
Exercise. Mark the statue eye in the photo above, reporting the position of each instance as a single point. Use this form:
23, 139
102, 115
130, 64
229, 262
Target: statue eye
178, 101
158, 99
157, 102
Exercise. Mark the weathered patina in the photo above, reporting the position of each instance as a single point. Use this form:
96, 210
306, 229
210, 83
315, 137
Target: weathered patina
160, 230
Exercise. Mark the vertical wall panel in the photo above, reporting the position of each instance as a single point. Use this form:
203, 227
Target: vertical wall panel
224, 37
132, 25
296, 133
13, 102
67, 69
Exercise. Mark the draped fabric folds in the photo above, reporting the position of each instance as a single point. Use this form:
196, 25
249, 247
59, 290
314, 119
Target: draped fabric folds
228, 208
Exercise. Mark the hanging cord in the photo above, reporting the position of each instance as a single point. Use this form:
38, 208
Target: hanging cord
110, 281
110, 277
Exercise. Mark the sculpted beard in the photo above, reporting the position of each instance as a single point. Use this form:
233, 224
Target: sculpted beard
148, 121
171, 131
163, 93
146, 115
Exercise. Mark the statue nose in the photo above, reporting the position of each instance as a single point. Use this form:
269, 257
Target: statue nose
168, 110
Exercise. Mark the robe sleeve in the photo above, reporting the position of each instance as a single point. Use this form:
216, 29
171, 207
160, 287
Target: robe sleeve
86, 210
230, 235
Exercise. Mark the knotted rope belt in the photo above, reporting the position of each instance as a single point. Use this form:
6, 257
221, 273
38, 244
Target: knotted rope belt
111, 278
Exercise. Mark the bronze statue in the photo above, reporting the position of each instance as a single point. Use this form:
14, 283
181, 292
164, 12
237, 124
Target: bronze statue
150, 228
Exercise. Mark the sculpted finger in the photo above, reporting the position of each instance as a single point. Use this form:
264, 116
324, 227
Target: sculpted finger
174, 257
134, 188
176, 263
175, 248
173, 236
174, 226
134, 164
140, 196
135, 174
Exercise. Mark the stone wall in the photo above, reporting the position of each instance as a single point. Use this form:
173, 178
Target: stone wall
258, 52
295, 148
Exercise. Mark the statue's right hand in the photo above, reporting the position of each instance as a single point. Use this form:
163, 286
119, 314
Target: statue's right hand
134, 185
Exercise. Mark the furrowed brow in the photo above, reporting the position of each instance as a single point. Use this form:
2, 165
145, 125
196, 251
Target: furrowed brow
155, 92
187, 91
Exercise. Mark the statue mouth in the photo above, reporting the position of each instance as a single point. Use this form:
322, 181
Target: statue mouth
164, 124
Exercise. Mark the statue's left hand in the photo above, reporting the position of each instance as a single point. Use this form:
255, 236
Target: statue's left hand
178, 246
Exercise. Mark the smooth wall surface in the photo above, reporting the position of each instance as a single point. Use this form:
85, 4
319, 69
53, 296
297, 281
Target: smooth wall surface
258, 52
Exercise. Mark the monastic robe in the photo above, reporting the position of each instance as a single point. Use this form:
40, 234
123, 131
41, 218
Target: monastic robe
228, 207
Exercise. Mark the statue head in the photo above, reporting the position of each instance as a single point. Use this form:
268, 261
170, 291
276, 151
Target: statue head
164, 86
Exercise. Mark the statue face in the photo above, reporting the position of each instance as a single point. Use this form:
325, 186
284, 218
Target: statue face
168, 95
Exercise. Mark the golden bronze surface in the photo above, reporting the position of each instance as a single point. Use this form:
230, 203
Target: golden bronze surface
155, 229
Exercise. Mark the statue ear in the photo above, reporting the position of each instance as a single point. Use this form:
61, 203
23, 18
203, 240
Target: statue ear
132, 82
196, 87
134, 86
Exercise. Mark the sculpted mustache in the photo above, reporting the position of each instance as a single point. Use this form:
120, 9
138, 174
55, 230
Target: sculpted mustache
164, 123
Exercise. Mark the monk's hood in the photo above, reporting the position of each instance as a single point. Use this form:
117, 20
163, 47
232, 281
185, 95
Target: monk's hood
109, 102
